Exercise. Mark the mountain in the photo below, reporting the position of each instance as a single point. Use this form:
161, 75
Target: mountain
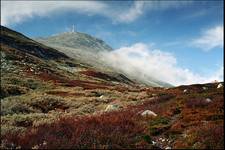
90, 50
50, 100
76, 40
20, 42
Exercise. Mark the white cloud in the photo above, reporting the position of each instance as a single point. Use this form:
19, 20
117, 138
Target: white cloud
218, 75
139, 7
133, 13
13, 12
144, 63
210, 39
18, 11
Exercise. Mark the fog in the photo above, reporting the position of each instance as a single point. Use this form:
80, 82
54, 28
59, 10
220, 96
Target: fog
145, 63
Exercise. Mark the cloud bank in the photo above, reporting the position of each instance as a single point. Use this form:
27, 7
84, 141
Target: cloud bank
143, 62
14, 12
211, 38
18, 11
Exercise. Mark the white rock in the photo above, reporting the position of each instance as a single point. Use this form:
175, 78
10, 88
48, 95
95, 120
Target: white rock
163, 140
219, 85
154, 94
101, 96
184, 135
185, 91
153, 143
208, 100
148, 113
44, 143
167, 147
204, 88
111, 107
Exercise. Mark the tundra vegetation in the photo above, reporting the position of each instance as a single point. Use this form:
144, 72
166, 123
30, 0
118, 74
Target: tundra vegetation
56, 102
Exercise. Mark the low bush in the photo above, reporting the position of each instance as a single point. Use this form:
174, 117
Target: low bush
158, 125
46, 104
111, 130
11, 90
14, 106
192, 103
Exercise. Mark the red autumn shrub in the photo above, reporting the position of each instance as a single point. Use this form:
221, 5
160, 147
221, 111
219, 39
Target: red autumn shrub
111, 130
212, 136
196, 103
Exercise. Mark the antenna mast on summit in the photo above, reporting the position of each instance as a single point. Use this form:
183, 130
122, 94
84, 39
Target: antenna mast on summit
73, 28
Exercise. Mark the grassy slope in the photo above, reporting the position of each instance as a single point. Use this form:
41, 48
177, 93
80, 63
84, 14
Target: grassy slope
76, 40
55, 103
185, 120
89, 50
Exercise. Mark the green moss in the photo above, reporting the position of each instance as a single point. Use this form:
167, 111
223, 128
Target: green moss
159, 120
159, 125
148, 139
12, 90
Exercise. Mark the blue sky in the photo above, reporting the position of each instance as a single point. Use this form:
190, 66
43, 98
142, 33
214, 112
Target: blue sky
191, 31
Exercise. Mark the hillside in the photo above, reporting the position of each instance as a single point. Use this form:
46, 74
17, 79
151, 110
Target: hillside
76, 40
52, 101
90, 50
19, 42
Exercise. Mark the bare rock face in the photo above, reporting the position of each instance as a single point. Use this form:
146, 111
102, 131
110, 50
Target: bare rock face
208, 100
204, 88
148, 113
22, 43
185, 91
219, 85
112, 107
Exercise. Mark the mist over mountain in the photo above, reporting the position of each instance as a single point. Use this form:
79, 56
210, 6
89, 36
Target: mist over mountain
46, 93
95, 52
101, 74
76, 40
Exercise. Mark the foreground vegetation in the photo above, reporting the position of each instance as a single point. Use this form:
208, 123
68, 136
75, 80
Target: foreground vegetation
49, 101
184, 120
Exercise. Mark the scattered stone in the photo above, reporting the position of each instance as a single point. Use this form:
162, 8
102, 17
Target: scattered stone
219, 85
185, 91
167, 147
184, 135
101, 96
196, 145
152, 98
44, 143
112, 107
163, 140
208, 100
35, 147
153, 143
106, 100
148, 113
154, 94
204, 88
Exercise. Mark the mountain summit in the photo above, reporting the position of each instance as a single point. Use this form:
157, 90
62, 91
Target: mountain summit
92, 51
76, 40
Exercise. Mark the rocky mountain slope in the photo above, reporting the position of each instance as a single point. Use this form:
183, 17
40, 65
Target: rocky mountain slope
49, 100
76, 40
92, 51
21, 43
